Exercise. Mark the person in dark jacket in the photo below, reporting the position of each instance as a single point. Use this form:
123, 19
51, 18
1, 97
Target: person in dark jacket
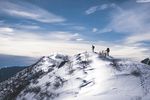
93, 47
107, 51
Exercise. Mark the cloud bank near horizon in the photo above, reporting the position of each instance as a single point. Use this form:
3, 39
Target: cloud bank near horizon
33, 29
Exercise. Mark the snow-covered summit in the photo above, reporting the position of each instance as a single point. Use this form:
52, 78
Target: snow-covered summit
84, 76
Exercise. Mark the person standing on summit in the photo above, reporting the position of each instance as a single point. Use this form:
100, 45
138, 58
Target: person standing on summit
107, 51
93, 47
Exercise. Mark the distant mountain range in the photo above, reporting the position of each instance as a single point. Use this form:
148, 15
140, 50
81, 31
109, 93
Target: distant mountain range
146, 61
8, 72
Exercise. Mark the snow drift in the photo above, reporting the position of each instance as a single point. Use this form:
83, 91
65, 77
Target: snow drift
84, 76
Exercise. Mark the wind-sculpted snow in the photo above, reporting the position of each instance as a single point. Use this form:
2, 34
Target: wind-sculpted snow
85, 76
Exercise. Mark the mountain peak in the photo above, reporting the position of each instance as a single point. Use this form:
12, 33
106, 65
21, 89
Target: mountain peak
146, 61
84, 76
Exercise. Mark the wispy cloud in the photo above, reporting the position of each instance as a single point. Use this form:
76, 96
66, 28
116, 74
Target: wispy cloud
35, 44
104, 30
129, 21
64, 36
24, 34
27, 27
77, 27
94, 30
142, 1
99, 7
136, 38
30, 43
6, 30
29, 11
18, 37
130, 51
134, 23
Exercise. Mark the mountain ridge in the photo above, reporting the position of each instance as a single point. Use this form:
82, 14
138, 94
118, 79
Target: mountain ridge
7, 72
146, 61
84, 76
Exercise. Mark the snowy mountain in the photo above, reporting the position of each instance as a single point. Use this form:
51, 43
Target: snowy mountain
85, 76
7, 72
146, 61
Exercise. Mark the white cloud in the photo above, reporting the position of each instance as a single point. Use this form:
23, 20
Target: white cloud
99, 7
39, 47
135, 38
94, 30
28, 27
129, 21
10, 27
64, 36
29, 11
6, 30
91, 10
135, 24
24, 34
105, 30
142, 1
30, 43
34, 44
130, 51
76, 27
132, 22
104, 6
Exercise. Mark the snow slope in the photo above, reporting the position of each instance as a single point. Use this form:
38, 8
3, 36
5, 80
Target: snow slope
84, 76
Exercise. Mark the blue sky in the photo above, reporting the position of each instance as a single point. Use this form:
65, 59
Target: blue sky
34, 28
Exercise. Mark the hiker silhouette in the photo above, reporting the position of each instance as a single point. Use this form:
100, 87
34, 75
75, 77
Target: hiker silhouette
93, 47
107, 51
